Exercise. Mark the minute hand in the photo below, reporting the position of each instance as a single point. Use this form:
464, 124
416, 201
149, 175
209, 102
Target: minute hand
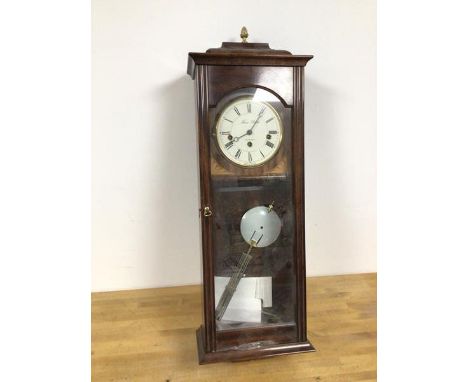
249, 132
259, 115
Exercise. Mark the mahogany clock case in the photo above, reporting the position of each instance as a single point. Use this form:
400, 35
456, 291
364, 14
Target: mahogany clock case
228, 190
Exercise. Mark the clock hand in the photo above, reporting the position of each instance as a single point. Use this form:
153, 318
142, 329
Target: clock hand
258, 118
249, 132
235, 139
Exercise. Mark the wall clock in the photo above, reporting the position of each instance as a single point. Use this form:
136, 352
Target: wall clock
250, 106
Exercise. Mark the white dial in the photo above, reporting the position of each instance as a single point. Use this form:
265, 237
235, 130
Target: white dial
249, 132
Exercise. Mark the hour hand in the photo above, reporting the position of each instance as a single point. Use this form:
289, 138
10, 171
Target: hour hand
235, 139
248, 132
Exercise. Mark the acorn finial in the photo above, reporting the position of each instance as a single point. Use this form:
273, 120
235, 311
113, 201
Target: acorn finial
244, 34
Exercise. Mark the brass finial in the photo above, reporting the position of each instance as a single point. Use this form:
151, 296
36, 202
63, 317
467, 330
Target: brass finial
270, 207
244, 34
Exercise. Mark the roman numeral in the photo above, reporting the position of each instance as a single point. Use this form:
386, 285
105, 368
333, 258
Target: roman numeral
249, 108
238, 154
269, 120
227, 119
225, 132
250, 157
229, 145
269, 144
272, 132
236, 110
263, 155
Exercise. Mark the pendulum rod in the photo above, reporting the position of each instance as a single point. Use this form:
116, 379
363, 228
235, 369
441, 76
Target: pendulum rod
233, 282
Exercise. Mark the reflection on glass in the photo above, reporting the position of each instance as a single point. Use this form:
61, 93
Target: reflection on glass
253, 230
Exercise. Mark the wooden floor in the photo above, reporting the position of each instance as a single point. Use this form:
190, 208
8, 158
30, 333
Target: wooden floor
149, 335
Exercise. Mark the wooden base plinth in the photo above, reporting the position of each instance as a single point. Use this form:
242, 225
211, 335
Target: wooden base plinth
247, 354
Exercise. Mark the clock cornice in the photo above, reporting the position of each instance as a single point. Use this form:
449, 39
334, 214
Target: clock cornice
245, 53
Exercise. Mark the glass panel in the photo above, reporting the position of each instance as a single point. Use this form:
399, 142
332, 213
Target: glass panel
253, 230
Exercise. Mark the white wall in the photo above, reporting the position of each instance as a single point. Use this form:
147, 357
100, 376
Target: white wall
145, 197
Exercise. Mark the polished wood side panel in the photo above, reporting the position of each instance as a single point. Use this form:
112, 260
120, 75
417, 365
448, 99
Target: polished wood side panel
225, 79
202, 94
298, 192
147, 335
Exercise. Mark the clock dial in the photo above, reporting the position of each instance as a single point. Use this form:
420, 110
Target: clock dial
249, 132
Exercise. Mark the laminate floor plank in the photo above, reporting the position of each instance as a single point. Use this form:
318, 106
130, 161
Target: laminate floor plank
149, 335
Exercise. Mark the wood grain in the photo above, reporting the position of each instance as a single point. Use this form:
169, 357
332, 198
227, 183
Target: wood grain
299, 205
149, 335
202, 92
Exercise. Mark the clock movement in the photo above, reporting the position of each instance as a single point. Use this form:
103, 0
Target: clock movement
250, 107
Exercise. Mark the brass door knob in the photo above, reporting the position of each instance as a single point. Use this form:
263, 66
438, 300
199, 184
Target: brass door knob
207, 212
